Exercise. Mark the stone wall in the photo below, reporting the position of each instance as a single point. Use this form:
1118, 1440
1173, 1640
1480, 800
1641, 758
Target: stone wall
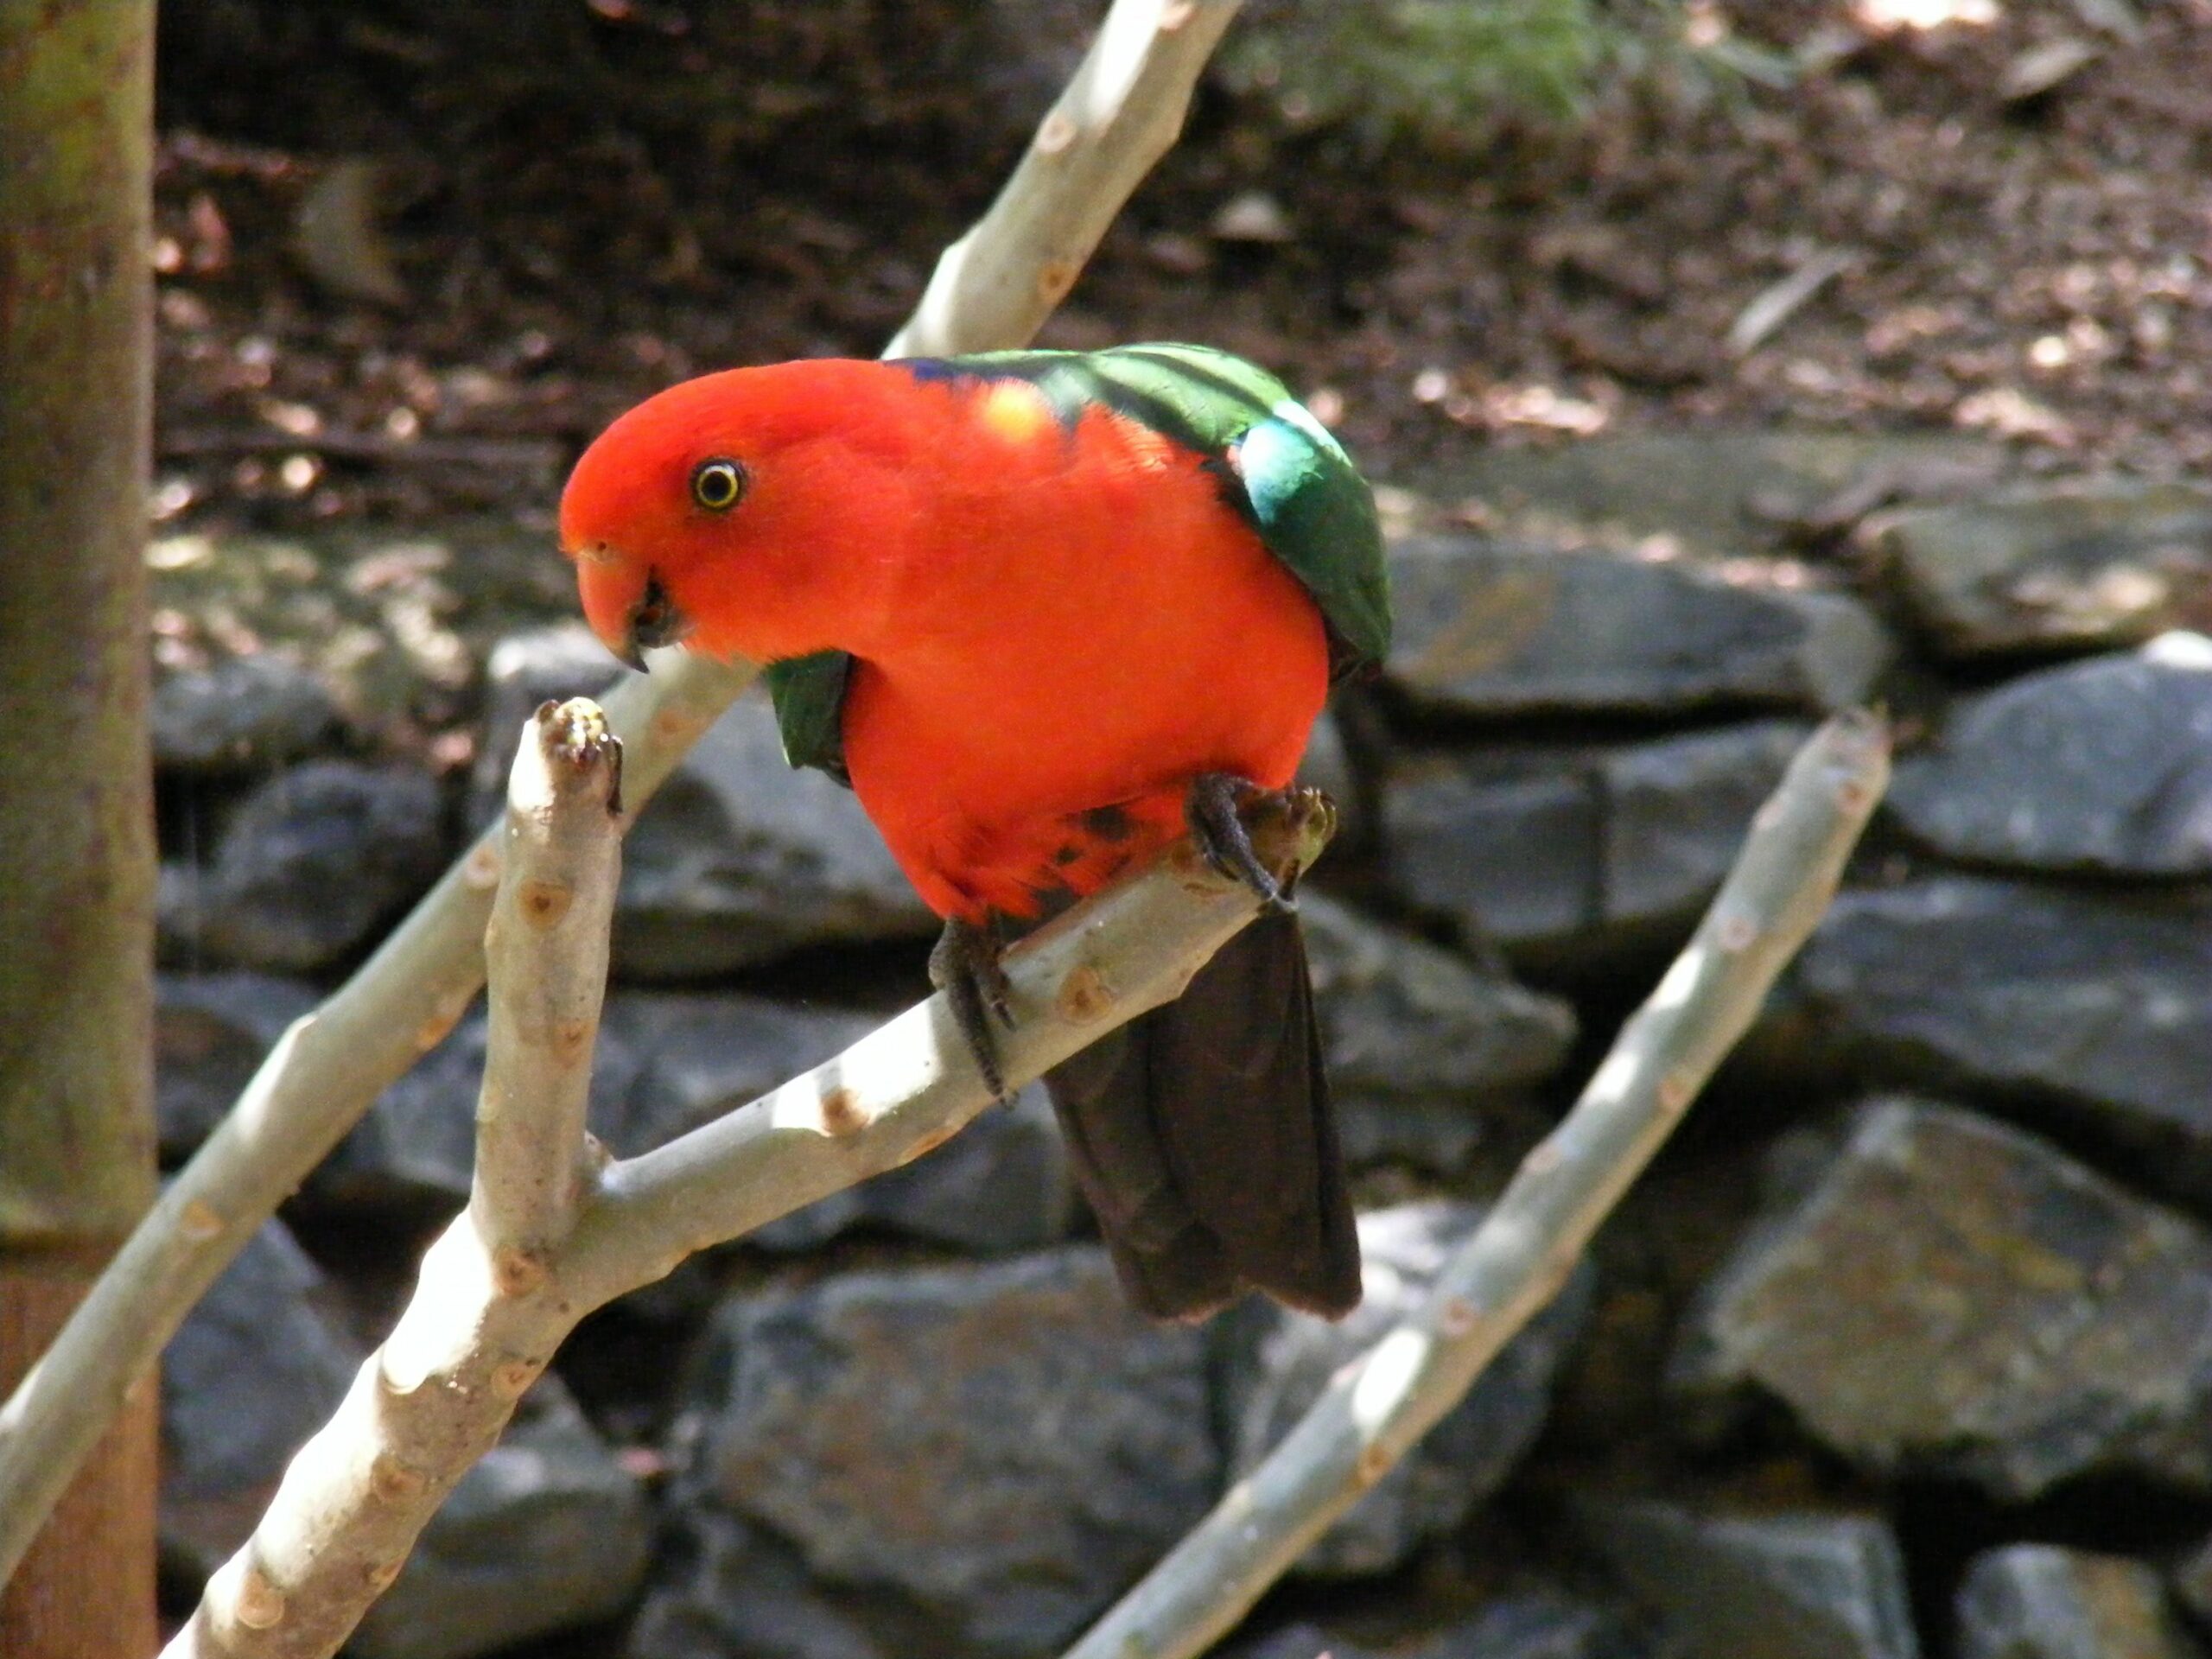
1905, 1347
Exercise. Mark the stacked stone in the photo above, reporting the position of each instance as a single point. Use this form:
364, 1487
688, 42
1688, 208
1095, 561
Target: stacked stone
1908, 1345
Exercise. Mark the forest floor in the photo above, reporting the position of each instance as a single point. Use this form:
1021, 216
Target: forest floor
407, 269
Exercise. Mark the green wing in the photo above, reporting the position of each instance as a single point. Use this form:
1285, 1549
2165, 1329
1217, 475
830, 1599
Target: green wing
1277, 467
809, 693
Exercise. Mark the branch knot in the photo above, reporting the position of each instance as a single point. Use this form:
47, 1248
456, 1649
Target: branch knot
578, 742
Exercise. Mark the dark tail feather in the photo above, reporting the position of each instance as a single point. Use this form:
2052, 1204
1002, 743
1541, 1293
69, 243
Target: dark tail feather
1201, 1134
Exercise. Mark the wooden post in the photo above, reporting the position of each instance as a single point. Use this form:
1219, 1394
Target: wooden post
76, 822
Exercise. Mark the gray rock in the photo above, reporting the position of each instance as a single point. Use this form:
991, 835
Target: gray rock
1536, 1624
391, 623
2037, 1601
2086, 563
1487, 629
1276, 1363
1539, 1622
723, 1588
967, 1459
239, 714
211, 1032
310, 865
523, 670
1705, 492
741, 860
2191, 1578
2092, 1006
1790, 1586
1580, 853
2103, 767
1416, 1041
704, 1053
415, 1149
254, 1370
1298, 1642
1508, 842
1675, 813
546, 1530
1956, 1299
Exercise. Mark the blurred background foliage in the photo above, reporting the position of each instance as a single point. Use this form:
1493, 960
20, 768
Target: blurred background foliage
1439, 72
1436, 69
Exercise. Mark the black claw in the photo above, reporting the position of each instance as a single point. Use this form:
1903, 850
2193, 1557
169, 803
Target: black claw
965, 966
1210, 809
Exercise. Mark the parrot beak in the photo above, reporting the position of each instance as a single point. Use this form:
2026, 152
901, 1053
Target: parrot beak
653, 621
629, 618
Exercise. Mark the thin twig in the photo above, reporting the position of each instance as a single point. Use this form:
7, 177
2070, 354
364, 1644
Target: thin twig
328, 1068
1776, 304
486, 1319
1516, 1261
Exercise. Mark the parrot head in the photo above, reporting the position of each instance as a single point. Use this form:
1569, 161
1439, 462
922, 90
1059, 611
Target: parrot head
735, 514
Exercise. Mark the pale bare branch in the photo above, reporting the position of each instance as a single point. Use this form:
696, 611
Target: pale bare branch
1120, 114
493, 1303
353, 1500
323, 1074
1373, 1412
550, 926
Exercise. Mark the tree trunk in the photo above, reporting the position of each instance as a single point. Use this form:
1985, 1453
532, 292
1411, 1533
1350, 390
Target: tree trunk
76, 824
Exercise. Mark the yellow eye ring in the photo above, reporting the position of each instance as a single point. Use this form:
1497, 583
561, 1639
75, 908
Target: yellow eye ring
718, 485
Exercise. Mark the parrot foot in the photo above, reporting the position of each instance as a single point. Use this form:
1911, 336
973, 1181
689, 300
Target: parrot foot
965, 965
1214, 808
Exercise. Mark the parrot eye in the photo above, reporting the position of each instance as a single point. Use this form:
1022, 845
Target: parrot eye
718, 485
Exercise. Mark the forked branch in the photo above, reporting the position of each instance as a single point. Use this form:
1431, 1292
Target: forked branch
328, 1068
549, 1236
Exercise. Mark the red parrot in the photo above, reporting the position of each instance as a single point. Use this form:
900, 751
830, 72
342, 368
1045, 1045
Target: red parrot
1044, 612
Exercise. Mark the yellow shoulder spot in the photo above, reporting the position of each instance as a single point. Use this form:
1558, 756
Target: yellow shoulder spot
1016, 410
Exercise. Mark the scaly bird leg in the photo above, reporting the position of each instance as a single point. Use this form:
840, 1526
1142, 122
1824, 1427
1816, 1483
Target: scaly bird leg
1214, 809
965, 966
